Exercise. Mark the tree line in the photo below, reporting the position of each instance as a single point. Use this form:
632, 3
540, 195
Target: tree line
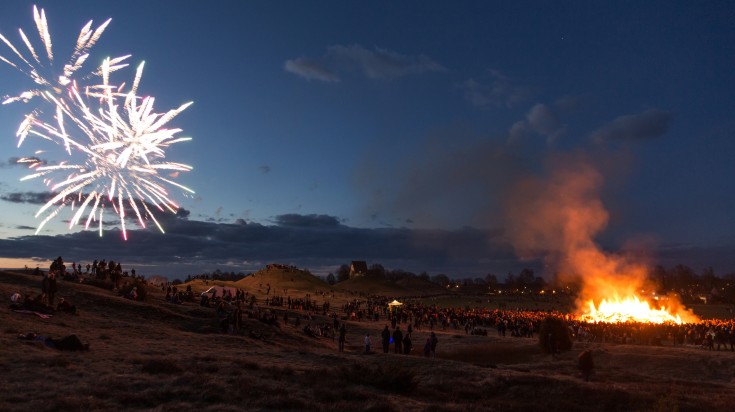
680, 279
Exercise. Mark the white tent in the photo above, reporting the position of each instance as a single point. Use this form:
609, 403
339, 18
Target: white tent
394, 304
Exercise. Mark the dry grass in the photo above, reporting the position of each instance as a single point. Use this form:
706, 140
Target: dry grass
156, 356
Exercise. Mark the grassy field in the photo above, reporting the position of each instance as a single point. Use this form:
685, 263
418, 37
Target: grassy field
158, 356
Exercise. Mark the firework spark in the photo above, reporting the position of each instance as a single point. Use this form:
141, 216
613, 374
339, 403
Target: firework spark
48, 81
120, 140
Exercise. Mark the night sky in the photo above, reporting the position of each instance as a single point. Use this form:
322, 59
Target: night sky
398, 132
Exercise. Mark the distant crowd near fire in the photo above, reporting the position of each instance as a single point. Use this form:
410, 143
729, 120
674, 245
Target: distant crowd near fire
398, 321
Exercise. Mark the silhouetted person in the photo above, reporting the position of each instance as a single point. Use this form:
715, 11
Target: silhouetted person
398, 340
342, 337
385, 339
407, 344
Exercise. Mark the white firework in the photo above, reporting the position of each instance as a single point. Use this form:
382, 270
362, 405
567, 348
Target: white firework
42, 70
121, 140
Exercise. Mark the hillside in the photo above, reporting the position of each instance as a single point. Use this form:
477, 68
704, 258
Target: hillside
154, 355
282, 279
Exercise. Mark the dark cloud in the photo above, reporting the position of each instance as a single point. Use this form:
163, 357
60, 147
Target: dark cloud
23, 227
34, 198
131, 216
374, 63
317, 240
310, 70
496, 90
265, 169
647, 125
296, 220
382, 63
311, 241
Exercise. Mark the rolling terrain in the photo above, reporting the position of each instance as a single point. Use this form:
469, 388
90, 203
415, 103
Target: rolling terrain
154, 355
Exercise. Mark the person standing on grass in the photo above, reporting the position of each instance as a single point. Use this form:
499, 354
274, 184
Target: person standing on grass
342, 337
398, 340
385, 335
44, 287
407, 344
48, 287
368, 342
434, 342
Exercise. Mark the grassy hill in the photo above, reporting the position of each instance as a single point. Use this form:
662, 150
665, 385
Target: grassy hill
290, 280
154, 355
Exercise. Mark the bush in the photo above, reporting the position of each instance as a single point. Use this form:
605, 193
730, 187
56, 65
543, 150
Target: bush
554, 336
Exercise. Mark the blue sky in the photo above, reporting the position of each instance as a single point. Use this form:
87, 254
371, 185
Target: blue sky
394, 131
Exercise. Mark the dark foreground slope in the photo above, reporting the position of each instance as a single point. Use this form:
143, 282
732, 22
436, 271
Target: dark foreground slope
156, 356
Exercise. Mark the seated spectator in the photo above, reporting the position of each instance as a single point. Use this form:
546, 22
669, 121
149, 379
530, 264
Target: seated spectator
65, 306
69, 343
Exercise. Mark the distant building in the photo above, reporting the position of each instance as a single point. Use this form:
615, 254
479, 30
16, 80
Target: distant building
358, 268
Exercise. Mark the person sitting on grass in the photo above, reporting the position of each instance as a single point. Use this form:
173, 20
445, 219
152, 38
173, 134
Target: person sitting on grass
67, 343
133, 294
65, 306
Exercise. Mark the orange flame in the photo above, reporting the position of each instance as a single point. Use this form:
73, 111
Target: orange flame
559, 215
632, 309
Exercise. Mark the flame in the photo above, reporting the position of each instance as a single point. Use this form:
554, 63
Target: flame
558, 215
632, 309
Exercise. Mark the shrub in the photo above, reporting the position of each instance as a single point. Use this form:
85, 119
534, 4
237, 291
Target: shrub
554, 336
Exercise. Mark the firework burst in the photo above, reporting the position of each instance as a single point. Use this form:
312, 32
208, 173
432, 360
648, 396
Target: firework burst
114, 140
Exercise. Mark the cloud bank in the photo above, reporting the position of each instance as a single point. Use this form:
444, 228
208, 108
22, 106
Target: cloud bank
311, 241
377, 63
650, 124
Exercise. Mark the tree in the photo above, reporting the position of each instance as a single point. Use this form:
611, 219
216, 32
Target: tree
510, 280
539, 283
377, 271
491, 280
331, 279
683, 277
661, 279
343, 273
440, 279
525, 278
709, 279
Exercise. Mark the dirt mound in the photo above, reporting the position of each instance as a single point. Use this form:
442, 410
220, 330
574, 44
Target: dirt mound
283, 278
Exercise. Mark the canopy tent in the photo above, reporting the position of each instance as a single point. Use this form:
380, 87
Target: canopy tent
394, 304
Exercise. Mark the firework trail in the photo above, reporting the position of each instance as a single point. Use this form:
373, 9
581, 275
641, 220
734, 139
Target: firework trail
120, 139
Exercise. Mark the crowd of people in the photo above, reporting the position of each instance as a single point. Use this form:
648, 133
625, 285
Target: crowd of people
399, 322
98, 270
